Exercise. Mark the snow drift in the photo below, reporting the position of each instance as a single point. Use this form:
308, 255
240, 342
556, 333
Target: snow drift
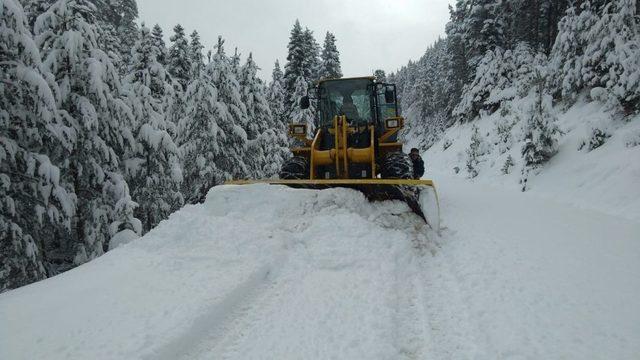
161, 295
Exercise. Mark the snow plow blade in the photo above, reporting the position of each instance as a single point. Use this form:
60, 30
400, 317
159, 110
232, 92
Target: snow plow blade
419, 195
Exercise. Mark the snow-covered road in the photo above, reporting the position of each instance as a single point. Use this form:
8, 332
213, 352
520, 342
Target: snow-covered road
274, 273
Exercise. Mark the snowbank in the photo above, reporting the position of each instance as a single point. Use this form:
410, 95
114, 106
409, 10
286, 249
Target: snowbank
159, 296
604, 179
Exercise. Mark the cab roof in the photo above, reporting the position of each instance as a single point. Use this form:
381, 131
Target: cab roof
321, 81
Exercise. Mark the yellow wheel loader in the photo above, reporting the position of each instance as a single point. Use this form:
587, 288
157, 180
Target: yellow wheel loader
355, 145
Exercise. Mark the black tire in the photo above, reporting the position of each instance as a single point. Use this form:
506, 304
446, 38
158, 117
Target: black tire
296, 168
396, 165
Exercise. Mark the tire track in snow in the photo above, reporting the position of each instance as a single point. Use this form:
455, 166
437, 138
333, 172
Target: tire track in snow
329, 300
215, 320
453, 335
413, 338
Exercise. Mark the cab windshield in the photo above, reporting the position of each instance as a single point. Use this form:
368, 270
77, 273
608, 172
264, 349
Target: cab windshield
351, 98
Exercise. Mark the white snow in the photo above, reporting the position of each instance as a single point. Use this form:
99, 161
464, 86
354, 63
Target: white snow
268, 272
121, 238
605, 179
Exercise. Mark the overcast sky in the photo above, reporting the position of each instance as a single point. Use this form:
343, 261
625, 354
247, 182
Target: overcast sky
370, 33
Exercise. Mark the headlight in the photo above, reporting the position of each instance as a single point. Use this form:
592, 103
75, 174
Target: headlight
392, 123
298, 129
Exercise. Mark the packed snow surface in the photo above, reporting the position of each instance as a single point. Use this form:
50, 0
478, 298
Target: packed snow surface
268, 272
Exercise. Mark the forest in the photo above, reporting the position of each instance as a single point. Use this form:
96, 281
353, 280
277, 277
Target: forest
105, 129
496, 52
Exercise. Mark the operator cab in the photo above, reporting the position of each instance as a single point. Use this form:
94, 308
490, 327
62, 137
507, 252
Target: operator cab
351, 98
361, 100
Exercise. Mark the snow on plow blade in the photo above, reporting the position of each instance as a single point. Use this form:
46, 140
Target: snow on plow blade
419, 195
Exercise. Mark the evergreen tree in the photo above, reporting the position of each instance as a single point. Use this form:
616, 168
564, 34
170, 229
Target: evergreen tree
152, 166
90, 101
33, 9
116, 29
226, 82
162, 52
508, 164
253, 97
313, 64
330, 59
276, 96
34, 206
212, 139
459, 73
167, 90
235, 64
295, 66
567, 56
474, 152
195, 54
258, 117
484, 29
298, 115
541, 130
267, 146
612, 56
500, 76
380, 75
179, 61
200, 137
126, 27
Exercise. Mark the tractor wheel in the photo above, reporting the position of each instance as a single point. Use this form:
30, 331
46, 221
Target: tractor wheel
396, 165
296, 168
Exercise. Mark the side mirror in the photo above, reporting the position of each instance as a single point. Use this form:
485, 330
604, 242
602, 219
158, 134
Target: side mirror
389, 97
304, 102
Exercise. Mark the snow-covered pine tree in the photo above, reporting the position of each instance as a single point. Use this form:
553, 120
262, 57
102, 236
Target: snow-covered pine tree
117, 29
380, 76
567, 56
267, 147
259, 117
199, 138
179, 61
162, 53
296, 66
168, 90
313, 64
34, 206
235, 63
253, 97
91, 102
152, 166
276, 95
127, 29
484, 29
276, 150
540, 131
178, 65
196, 55
474, 152
276, 98
299, 115
508, 164
612, 56
212, 143
330, 59
488, 71
33, 9
460, 72
234, 120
